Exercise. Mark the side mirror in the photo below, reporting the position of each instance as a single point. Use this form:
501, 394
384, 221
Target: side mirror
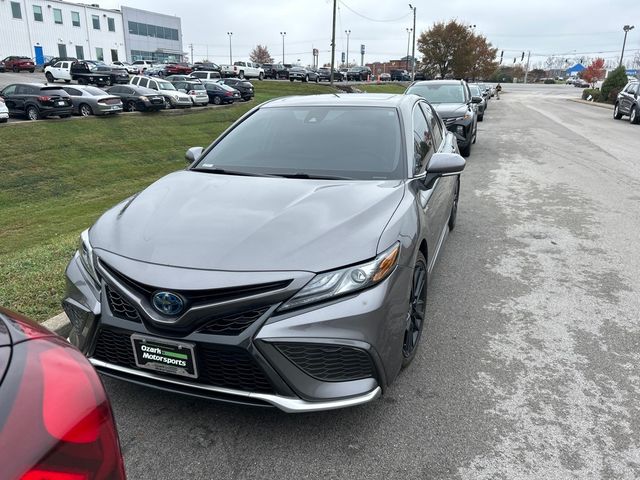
193, 154
445, 164
476, 99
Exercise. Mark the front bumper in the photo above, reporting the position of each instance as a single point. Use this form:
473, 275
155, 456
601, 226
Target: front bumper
270, 362
462, 129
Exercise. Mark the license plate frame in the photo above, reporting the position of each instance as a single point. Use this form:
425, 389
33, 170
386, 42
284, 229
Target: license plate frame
164, 355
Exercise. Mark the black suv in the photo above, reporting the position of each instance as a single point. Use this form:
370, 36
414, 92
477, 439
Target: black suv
324, 73
400, 76
358, 74
628, 103
36, 100
55, 60
454, 103
275, 71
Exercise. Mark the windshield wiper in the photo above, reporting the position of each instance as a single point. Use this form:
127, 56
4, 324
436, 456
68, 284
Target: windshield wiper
222, 171
307, 176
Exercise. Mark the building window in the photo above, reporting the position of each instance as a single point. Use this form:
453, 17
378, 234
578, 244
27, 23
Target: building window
37, 13
145, 30
96, 22
111, 24
57, 16
99, 54
79, 52
15, 10
62, 50
75, 19
114, 55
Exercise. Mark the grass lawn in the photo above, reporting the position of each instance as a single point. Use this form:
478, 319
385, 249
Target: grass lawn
57, 177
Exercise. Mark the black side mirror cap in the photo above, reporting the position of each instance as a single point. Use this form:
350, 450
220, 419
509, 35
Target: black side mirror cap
193, 154
476, 99
445, 164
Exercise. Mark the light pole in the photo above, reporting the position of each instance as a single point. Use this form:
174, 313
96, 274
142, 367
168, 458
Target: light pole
413, 48
283, 34
230, 52
409, 30
626, 29
348, 32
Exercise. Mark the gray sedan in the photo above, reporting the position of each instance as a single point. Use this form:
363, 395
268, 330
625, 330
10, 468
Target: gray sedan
287, 266
89, 100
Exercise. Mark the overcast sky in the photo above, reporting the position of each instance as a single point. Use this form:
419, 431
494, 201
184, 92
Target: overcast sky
545, 27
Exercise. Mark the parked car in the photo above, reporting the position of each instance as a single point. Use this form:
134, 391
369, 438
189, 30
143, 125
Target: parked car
142, 65
206, 75
178, 69
56, 418
85, 72
303, 74
419, 76
125, 65
453, 101
89, 100
155, 71
4, 111
243, 86
219, 93
400, 76
195, 89
36, 100
358, 74
476, 91
580, 83
325, 74
114, 74
17, 64
58, 71
275, 71
628, 102
173, 98
2, 67
182, 78
283, 306
249, 70
385, 77
207, 66
136, 98
54, 60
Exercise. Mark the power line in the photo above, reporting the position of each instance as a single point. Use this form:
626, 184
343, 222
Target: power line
373, 19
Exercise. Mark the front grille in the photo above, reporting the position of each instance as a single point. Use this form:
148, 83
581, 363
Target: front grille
233, 324
221, 367
449, 121
329, 363
120, 307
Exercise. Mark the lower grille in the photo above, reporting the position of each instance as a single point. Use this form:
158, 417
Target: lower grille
329, 363
233, 324
221, 367
120, 307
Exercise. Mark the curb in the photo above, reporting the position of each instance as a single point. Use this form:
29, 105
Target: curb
59, 324
595, 104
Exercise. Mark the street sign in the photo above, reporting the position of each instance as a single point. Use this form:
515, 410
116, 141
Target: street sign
343, 57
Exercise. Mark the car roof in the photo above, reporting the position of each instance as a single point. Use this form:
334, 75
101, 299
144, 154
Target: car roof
346, 100
441, 82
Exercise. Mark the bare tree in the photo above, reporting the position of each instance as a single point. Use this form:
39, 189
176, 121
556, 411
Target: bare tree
261, 54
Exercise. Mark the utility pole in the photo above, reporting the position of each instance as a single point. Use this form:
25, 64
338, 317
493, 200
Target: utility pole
348, 32
230, 52
191, 47
333, 41
627, 29
283, 34
526, 69
413, 49
408, 40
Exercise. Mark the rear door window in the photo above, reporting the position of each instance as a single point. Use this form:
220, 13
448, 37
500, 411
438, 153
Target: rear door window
143, 82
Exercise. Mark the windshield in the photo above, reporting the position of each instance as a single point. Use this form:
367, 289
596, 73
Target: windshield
352, 142
166, 86
439, 93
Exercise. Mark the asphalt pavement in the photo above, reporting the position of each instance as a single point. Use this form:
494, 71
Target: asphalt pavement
528, 368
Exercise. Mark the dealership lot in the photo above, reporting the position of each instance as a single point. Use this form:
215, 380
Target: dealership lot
528, 368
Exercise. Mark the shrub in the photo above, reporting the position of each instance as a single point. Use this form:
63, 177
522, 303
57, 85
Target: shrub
616, 80
593, 92
550, 81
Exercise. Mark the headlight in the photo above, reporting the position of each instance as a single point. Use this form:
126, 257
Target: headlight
336, 283
86, 255
144, 99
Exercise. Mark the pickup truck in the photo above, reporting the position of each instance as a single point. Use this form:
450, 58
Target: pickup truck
58, 71
242, 70
85, 73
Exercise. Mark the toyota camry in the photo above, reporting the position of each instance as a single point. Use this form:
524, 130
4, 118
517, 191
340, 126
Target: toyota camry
286, 266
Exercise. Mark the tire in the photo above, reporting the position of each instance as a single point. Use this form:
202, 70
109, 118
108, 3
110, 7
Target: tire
634, 115
130, 106
241, 75
416, 314
49, 77
31, 71
67, 81
217, 100
66, 115
33, 113
291, 80
454, 208
481, 117
317, 80
85, 110
466, 151
261, 76
616, 112
109, 82
82, 81
16, 70
305, 79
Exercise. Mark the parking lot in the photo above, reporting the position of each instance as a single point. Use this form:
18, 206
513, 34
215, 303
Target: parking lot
528, 368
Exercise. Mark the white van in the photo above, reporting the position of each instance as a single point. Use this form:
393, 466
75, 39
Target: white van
174, 98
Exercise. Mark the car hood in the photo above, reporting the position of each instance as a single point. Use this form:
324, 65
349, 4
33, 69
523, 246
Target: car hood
448, 110
235, 223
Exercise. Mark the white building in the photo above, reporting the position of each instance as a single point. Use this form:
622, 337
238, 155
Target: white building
53, 28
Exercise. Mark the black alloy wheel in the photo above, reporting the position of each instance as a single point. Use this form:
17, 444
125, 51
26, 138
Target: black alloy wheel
417, 311
217, 100
130, 106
